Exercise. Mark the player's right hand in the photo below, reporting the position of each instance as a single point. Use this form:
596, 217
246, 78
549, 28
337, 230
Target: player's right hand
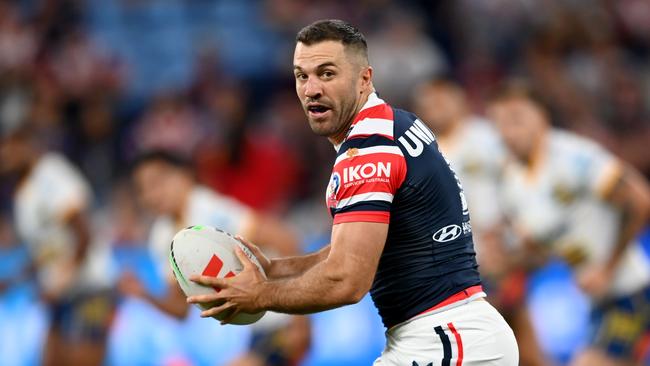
265, 262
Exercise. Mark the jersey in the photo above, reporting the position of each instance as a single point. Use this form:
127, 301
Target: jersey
477, 155
389, 170
559, 202
203, 207
53, 190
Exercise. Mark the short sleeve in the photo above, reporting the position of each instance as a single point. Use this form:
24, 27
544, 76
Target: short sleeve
598, 170
63, 187
364, 182
207, 207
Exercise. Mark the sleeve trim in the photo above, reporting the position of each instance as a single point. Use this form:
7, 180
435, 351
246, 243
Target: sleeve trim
363, 216
611, 175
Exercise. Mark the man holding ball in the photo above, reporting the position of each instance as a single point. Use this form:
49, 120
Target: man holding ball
401, 223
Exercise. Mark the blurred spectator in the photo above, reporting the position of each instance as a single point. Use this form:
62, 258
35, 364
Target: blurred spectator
242, 160
18, 41
170, 123
402, 55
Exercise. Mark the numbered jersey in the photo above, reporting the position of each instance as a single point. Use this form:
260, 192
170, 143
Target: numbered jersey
389, 170
558, 201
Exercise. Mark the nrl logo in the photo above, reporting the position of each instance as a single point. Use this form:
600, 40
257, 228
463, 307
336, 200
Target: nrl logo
352, 152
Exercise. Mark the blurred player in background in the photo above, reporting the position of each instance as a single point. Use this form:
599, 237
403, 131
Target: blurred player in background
401, 224
167, 187
474, 149
51, 204
567, 196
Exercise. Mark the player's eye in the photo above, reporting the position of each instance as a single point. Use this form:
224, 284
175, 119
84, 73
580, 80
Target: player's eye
301, 76
328, 74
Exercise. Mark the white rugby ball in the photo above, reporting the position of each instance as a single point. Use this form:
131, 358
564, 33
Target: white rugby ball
204, 250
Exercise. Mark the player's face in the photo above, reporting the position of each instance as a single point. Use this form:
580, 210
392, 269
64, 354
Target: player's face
160, 188
439, 106
521, 124
13, 155
329, 84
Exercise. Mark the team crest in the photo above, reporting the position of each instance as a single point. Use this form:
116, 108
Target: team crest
563, 194
333, 189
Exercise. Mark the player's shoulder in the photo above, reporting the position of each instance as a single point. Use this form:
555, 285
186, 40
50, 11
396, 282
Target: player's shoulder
567, 144
54, 162
480, 129
54, 168
203, 200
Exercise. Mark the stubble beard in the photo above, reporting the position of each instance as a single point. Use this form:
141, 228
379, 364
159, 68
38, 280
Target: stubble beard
340, 120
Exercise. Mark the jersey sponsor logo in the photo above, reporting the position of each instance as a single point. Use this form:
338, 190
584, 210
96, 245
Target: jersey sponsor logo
447, 233
366, 171
467, 228
418, 135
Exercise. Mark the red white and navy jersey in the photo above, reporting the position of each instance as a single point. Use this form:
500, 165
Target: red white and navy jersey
389, 170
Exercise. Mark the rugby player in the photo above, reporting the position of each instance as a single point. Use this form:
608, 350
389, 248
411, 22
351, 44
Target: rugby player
167, 187
401, 224
475, 151
51, 210
569, 196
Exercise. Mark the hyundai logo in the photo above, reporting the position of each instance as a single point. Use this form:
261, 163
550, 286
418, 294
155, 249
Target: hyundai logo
447, 233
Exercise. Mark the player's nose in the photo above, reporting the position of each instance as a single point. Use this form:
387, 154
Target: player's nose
313, 89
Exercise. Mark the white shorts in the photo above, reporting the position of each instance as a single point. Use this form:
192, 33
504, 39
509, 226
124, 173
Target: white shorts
469, 334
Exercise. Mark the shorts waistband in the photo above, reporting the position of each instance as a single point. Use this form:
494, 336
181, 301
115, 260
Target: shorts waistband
459, 296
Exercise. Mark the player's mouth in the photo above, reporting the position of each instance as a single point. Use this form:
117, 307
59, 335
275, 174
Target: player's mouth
317, 110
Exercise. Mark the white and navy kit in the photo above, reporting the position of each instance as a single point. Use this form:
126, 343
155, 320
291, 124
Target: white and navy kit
477, 155
559, 201
389, 170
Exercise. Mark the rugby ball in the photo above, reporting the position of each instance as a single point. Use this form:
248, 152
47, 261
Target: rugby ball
207, 251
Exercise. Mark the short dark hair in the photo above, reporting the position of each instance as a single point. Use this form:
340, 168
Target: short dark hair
161, 156
333, 30
518, 88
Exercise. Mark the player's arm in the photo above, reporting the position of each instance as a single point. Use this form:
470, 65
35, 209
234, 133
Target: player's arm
77, 222
172, 303
284, 267
631, 195
343, 278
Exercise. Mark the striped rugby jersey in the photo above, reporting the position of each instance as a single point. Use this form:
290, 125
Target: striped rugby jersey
389, 170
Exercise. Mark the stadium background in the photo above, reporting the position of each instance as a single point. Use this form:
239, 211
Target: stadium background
212, 80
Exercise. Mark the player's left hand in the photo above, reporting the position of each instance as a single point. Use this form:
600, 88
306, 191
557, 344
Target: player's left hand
240, 293
595, 280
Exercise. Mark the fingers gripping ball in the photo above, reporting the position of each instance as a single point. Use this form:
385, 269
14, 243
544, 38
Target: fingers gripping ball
206, 251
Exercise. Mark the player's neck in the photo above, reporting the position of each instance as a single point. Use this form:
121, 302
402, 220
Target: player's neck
453, 127
26, 170
338, 138
180, 216
536, 155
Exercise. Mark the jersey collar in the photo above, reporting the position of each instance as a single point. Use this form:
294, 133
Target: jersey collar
373, 101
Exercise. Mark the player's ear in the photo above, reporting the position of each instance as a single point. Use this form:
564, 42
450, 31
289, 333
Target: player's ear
366, 76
